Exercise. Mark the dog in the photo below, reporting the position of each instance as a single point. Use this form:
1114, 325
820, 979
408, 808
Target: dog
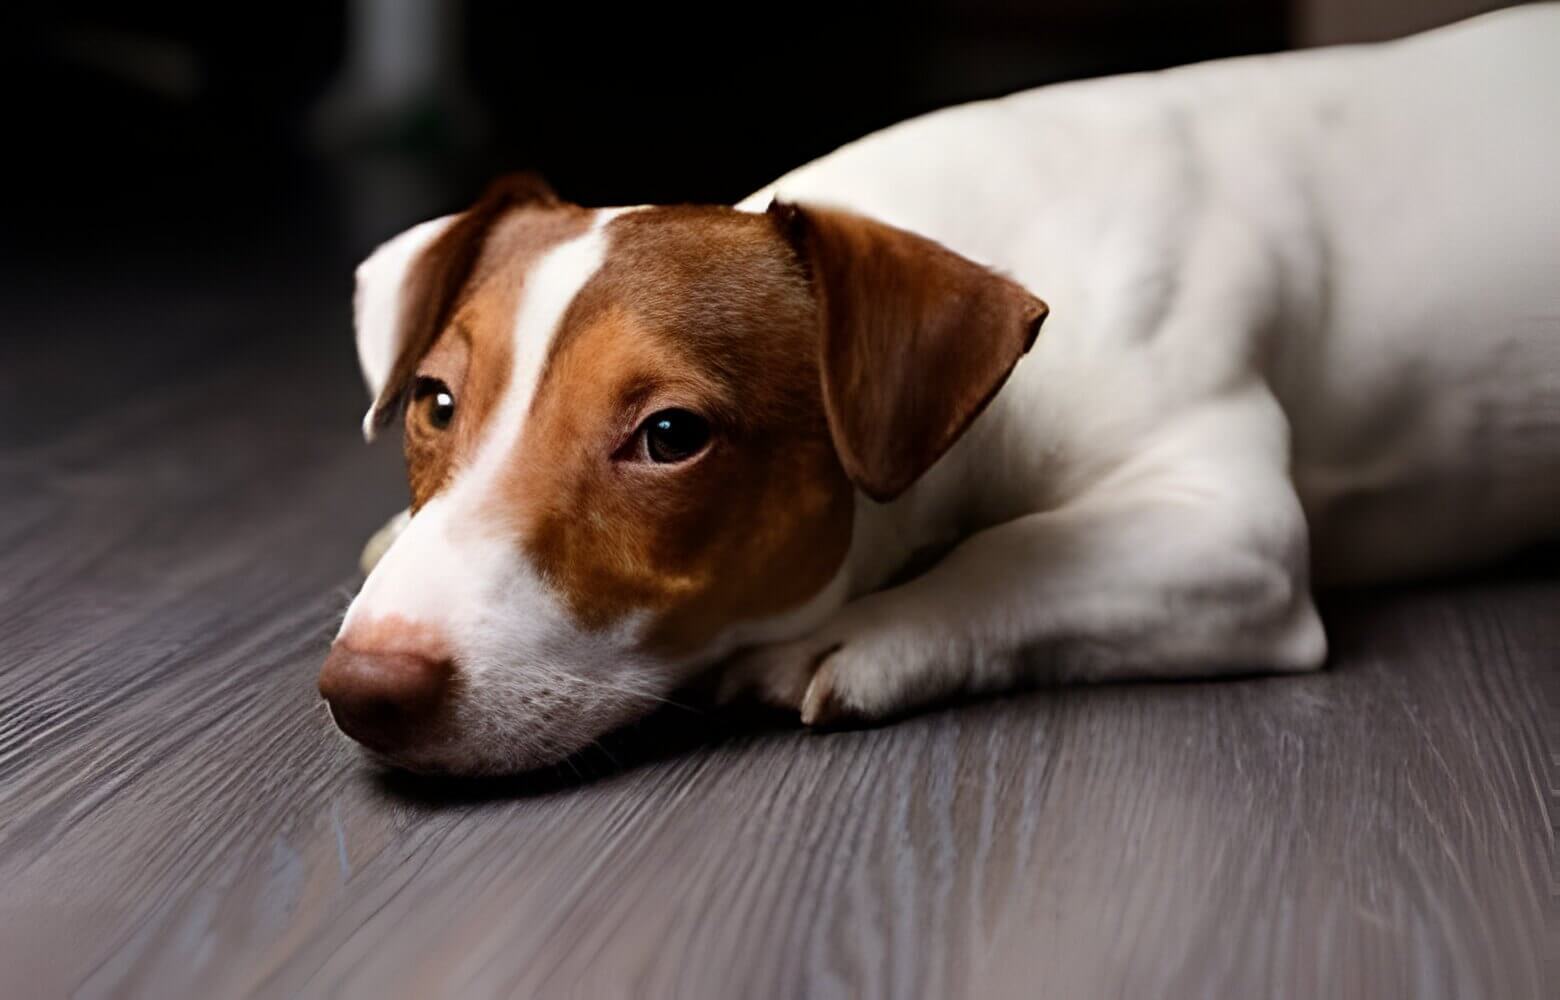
815, 449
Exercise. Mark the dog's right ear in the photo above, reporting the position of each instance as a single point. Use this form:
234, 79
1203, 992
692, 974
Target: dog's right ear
409, 287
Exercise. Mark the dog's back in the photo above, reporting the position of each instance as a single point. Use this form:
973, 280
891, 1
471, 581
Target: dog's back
1374, 229
1422, 378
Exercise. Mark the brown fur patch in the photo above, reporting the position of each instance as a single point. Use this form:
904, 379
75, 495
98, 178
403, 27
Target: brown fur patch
703, 309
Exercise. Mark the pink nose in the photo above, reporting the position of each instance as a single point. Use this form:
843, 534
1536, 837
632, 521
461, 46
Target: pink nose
384, 700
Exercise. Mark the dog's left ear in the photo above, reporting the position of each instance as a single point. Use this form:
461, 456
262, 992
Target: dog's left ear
914, 340
409, 287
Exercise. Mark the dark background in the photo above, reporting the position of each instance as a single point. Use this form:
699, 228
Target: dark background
155, 135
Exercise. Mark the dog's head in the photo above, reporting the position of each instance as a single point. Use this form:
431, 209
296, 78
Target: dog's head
634, 440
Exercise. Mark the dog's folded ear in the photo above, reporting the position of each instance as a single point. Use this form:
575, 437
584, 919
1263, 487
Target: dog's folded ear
409, 287
915, 340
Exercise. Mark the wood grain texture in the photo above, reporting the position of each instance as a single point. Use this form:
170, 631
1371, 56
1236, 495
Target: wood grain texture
181, 516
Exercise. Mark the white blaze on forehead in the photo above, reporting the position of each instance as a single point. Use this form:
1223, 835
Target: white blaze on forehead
378, 311
549, 290
451, 571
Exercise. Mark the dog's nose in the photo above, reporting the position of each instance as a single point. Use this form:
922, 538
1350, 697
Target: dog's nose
383, 699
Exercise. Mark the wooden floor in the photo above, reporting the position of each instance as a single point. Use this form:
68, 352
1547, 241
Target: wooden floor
184, 495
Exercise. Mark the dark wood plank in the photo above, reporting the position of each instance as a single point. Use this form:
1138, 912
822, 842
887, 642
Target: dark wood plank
177, 817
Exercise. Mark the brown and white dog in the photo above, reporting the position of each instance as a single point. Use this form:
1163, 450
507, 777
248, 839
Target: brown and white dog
1306, 326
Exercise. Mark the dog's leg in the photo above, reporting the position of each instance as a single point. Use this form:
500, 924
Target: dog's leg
1193, 562
381, 541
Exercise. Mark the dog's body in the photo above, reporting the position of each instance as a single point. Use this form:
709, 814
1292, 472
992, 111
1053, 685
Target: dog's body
1306, 326
1372, 233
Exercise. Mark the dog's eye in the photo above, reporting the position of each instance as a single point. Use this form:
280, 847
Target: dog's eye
674, 436
436, 401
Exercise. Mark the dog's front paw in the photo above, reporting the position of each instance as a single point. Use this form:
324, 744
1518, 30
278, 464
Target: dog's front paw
869, 664
775, 675
884, 671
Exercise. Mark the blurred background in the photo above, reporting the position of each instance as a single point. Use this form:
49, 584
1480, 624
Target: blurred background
155, 139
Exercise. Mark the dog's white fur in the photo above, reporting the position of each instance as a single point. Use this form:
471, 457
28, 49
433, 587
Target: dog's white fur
1306, 312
